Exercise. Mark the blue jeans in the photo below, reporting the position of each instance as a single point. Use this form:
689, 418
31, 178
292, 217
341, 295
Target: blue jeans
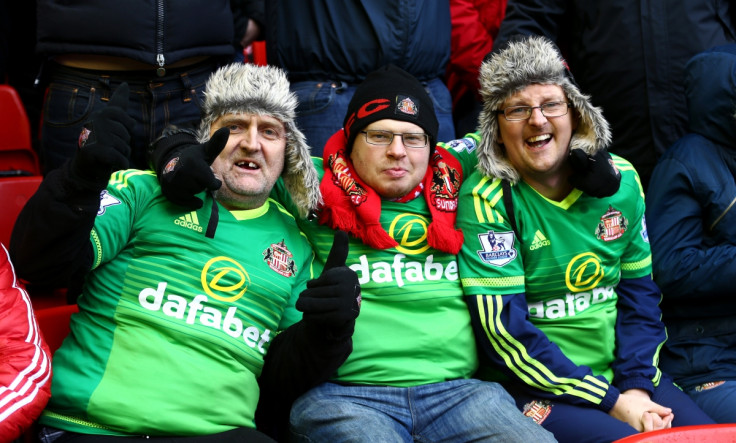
458, 410
323, 105
155, 102
718, 400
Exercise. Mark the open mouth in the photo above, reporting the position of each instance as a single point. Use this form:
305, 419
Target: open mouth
538, 141
247, 165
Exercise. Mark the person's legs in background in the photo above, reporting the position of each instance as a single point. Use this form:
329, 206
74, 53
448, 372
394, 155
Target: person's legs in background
321, 111
442, 101
73, 94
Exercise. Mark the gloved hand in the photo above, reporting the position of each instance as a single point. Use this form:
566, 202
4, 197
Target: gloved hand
595, 175
331, 303
104, 144
182, 165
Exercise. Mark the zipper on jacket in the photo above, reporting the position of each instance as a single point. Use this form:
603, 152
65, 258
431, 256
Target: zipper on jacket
160, 71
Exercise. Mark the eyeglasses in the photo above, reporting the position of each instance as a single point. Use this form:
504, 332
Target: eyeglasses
384, 138
517, 113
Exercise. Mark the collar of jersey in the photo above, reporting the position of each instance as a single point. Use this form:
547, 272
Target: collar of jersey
565, 204
248, 214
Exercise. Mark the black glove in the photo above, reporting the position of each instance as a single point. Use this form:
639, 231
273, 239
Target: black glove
331, 303
182, 165
104, 144
595, 175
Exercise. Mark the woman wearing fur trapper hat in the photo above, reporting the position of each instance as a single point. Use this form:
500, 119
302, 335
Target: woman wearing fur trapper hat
556, 262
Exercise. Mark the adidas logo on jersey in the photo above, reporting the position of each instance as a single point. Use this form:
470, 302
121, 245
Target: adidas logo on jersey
189, 221
539, 241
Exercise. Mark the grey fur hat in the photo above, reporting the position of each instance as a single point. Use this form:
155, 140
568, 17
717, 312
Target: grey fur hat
264, 90
531, 60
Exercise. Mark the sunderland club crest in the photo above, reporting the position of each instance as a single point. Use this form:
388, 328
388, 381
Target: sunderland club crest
538, 410
406, 105
612, 225
280, 259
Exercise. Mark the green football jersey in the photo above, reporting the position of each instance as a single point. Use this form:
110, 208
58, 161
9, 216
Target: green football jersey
567, 257
414, 325
173, 326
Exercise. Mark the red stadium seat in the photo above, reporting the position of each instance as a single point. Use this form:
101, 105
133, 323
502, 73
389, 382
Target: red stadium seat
14, 193
54, 324
17, 156
721, 433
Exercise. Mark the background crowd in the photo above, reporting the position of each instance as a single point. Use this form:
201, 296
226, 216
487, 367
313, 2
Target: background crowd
652, 82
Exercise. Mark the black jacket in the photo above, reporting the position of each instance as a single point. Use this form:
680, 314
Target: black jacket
154, 32
345, 40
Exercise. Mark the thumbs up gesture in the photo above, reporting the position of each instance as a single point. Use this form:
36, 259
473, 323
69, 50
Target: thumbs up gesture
182, 165
331, 302
104, 143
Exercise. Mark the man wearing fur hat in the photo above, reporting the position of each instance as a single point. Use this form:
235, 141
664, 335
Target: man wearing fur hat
567, 307
180, 307
387, 184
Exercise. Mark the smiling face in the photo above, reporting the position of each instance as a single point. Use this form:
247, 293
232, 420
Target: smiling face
252, 160
391, 170
538, 147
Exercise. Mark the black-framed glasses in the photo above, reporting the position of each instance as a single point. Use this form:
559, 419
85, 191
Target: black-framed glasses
384, 138
551, 109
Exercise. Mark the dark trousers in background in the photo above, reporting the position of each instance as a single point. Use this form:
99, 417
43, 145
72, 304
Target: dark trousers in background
155, 102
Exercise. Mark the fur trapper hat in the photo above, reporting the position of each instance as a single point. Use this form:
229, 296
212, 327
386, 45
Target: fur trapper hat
244, 88
526, 61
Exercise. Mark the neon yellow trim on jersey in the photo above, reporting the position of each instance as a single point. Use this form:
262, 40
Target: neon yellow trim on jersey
250, 214
520, 362
484, 207
75, 420
119, 179
97, 244
635, 266
500, 281
571, 198
624, 165
281, 208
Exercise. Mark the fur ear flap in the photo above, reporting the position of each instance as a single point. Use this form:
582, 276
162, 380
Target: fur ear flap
523, 62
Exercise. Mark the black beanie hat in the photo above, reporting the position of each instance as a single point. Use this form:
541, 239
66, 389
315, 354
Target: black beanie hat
390, 93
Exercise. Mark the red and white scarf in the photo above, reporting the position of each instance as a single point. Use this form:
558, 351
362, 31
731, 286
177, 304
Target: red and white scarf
352, 206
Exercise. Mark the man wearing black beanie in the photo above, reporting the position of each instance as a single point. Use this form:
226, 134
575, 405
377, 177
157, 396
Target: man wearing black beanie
385, 182
390, 93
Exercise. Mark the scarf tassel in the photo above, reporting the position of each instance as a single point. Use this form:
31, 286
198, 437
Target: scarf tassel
444, 238
375, 236
339, 218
